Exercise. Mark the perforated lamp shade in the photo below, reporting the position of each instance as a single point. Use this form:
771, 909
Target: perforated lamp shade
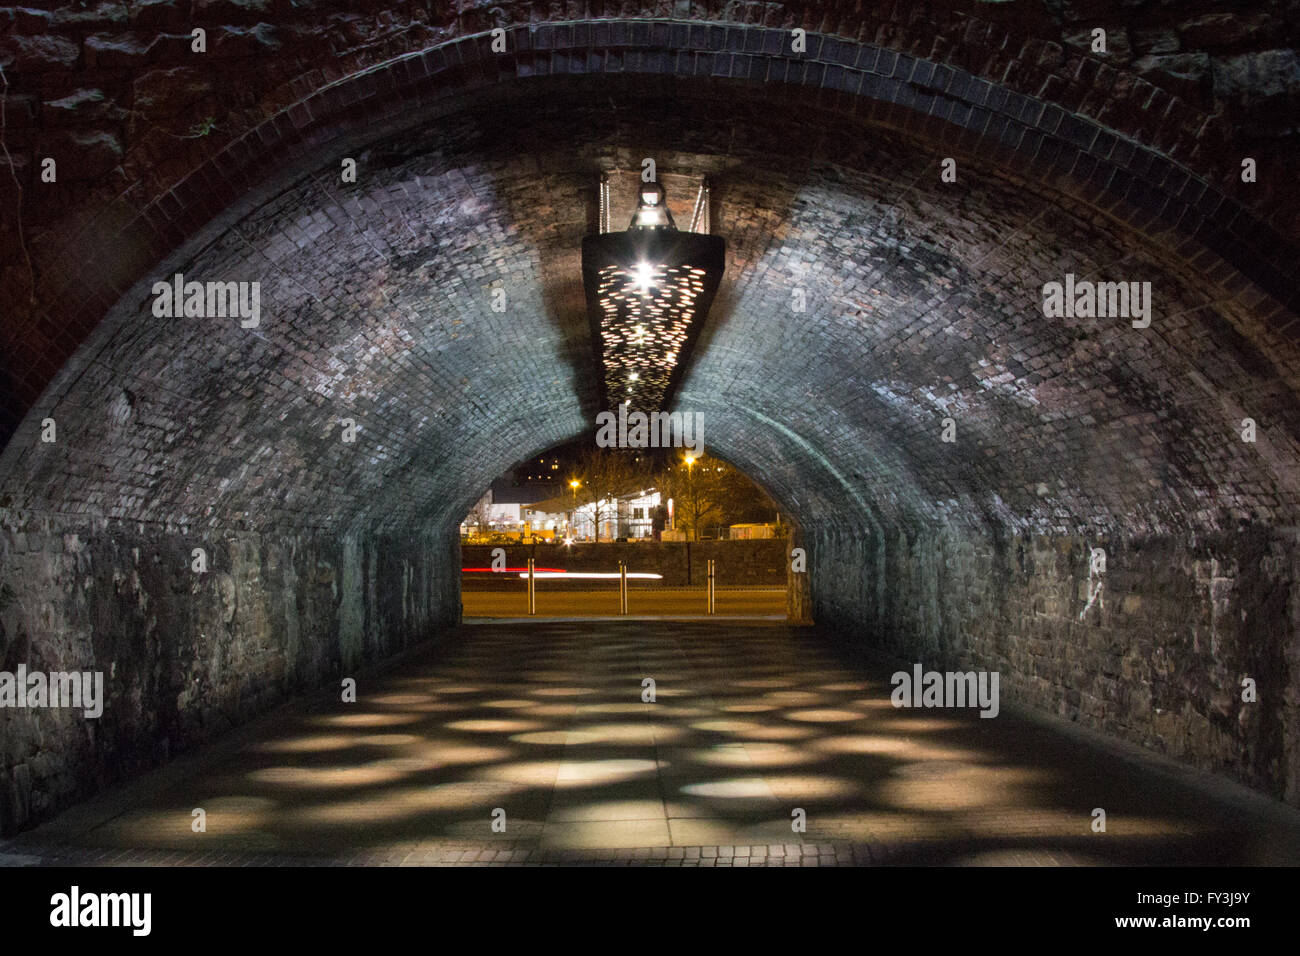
648, 292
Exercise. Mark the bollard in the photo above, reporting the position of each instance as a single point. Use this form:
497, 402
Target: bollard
532, 590
712, 604
622, 588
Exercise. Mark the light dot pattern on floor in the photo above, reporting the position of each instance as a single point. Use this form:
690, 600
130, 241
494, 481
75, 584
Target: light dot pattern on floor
547, 723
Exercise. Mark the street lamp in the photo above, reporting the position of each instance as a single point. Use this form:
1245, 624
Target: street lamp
692, 497
573, 516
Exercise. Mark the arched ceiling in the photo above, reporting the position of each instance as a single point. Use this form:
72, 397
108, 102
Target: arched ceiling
923, 303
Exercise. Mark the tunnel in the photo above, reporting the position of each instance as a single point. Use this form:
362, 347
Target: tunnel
220, 513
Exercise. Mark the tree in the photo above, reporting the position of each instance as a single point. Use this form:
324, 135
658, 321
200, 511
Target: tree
709, 492
606, 473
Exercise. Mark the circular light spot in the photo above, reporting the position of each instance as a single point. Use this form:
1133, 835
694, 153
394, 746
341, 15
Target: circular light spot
738, 788
824, 716
489, 726
367, 720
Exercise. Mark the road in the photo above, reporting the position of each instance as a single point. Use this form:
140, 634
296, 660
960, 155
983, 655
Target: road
651, 601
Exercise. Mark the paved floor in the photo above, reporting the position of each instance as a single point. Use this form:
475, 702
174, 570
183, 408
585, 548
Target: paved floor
676, 603
546, 724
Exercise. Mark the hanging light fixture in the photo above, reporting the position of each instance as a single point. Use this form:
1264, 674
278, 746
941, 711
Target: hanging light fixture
648, 291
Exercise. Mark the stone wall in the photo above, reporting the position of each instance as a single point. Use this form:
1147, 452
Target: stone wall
187, 655
1157, 657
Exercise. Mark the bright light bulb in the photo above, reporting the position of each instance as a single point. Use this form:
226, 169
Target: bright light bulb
644, 276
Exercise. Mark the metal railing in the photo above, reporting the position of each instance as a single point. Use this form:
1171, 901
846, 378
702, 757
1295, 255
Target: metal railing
710, 590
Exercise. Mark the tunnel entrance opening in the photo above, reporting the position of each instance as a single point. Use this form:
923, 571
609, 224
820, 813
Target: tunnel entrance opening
616, 532
228, 514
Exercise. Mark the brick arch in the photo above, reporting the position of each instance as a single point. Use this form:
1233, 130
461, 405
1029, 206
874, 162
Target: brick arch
815, 464
628, 60
861, 83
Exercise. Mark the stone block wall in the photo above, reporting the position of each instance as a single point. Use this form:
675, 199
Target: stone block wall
1152, 650
186, 655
